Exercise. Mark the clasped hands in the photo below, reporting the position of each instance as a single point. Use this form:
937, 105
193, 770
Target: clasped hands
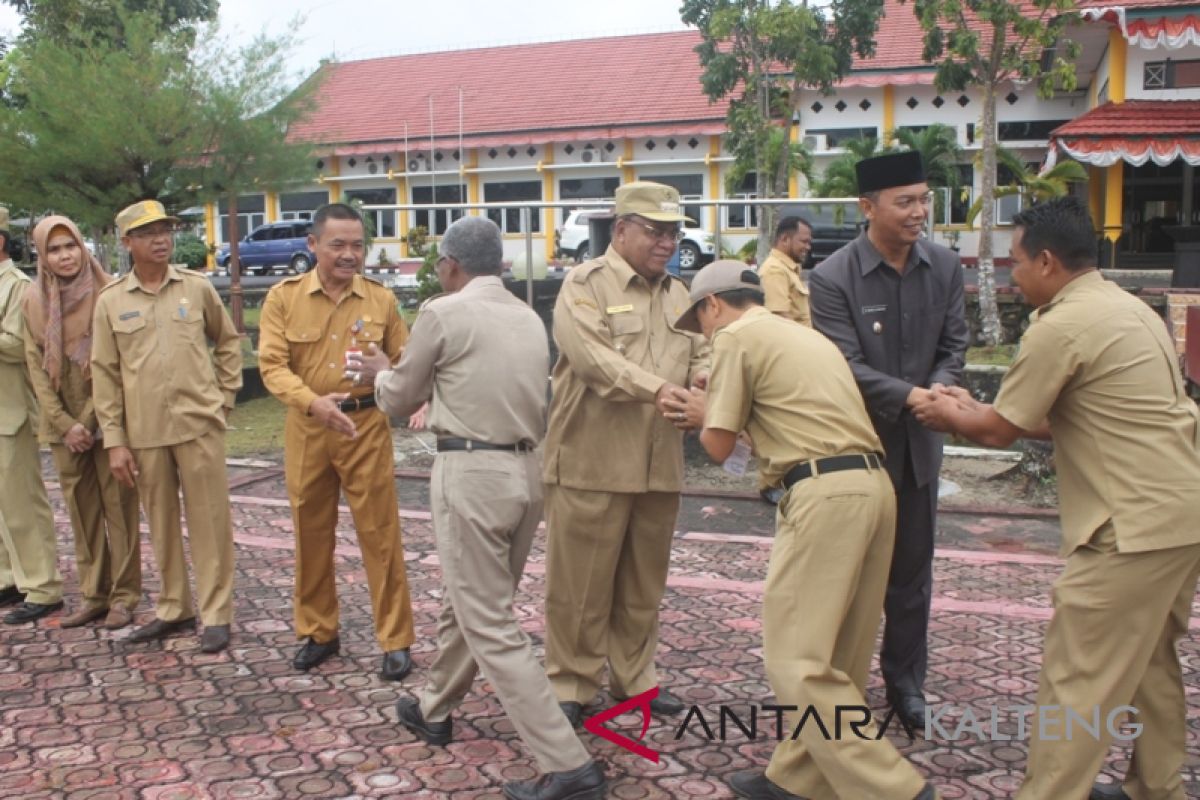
935, 406
683, 408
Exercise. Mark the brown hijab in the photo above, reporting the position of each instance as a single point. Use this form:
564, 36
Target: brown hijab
58, 312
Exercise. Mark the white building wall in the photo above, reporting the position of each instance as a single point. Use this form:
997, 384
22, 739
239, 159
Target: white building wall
1135, 65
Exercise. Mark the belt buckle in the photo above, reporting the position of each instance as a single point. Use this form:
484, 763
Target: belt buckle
469, 445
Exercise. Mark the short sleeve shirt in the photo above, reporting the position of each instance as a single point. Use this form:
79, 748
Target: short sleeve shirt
783, 288
790, 388
1099, 364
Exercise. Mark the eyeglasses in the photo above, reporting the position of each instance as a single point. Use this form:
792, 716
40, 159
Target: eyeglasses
661, 234
152, 233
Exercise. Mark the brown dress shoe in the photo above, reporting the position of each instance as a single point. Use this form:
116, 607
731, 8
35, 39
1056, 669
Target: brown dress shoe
119, 616
83, 616
161, 629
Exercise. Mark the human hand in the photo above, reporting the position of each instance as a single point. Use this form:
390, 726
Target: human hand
687, 412
700, 380
78, 439
918, 394
363, 367
934, 412
325, 410
123, 465
417, 421
668, 391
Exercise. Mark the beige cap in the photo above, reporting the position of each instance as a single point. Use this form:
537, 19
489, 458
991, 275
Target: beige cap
3, 218
725, 275
142, 213
654, 201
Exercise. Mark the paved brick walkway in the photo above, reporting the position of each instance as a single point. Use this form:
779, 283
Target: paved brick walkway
85, 715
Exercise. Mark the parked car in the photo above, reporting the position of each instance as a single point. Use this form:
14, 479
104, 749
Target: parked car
272, 245
571, 241
834, 226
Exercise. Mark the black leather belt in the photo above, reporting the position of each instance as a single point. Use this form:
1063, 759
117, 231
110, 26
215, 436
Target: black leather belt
357, 403
452, 444
806, 469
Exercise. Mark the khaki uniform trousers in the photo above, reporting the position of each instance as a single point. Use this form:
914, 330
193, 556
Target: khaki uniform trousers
824, 599
28, 558
1112, 642
104, 518
606, 571
198, 467
486, 508
318, 463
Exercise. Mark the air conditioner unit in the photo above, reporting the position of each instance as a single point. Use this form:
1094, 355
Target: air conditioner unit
418, 164
587, 156
816, 143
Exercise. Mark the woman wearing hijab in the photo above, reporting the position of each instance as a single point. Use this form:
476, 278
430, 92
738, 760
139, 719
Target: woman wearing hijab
58, 343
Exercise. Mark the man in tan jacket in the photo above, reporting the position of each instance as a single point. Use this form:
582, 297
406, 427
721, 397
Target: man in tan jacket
58, 347
28, 564
614, 466
162, 399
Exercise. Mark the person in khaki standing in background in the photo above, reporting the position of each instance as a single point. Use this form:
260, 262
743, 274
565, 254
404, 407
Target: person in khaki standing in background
28, 561
162, 399
785, 293
58, 311
482, 355
335, 439
614, 466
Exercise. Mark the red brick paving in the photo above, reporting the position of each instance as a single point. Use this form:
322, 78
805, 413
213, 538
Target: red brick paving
85, 715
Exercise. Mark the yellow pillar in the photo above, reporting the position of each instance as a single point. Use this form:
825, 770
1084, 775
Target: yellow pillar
889, 112
1114, 185
627, 173
1096, 197
271, 206
793, 176
548, 196
402, 199
1117, 48
335, 186
472, 178
714, 180
210, 233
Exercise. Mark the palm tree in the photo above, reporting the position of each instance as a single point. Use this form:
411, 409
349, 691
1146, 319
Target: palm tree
840, 178
1033, 187
938, 146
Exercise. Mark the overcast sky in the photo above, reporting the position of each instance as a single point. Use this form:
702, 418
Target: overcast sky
372, 28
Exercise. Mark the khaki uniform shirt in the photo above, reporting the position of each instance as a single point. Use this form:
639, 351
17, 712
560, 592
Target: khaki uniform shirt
790, 388
783, 287
1099, 364
304, 335
483, 356
61, 409
617, 346
16, 395
154, 381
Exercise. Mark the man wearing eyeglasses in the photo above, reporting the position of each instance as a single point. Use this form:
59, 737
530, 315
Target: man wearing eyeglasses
162, 400
614, 463
892, 301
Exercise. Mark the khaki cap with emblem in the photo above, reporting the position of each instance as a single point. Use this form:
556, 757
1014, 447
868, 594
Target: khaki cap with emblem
654, 201
725, 275
140, 214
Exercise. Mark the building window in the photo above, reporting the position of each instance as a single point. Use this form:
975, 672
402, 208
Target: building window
951, 206
586, 189
251, 213
384, 222
1171, 74
1154, 75
509, 219
1028, 130
301, 205
690, 187
737, 216
837, 137
1009, 206
437, 195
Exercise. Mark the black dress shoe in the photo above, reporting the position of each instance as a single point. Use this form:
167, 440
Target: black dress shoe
396, 664
1108, 791
573, 712
910, 708
666, 704
28, 612
755, 784
312, 653
927, 793
215, 638
10, 596
583, 783
161, 629
408, 711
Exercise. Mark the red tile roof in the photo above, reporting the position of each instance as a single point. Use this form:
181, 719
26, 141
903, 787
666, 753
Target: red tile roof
1134, 118
1140, 5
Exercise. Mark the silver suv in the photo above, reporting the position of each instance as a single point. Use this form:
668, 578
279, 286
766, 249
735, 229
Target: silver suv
695, 250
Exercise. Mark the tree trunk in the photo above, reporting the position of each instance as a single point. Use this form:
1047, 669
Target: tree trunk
235, 269
989, 311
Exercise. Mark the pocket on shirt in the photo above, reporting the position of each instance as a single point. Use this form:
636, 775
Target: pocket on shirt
371, 333
302, 335
132, 337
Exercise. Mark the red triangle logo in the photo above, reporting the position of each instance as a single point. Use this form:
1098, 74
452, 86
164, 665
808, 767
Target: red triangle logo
595, 724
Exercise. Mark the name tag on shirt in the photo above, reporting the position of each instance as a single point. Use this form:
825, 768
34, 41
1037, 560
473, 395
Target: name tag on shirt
129, 315
874, 309
619, 309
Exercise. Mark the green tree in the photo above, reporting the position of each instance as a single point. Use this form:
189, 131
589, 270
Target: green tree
984, 44
98, 127
761, 54
249, 103
840, 178
78, 22
938, 146
1033, 187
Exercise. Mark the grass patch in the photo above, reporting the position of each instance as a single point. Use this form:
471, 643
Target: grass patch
250, 316
256, 429
1001, 355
